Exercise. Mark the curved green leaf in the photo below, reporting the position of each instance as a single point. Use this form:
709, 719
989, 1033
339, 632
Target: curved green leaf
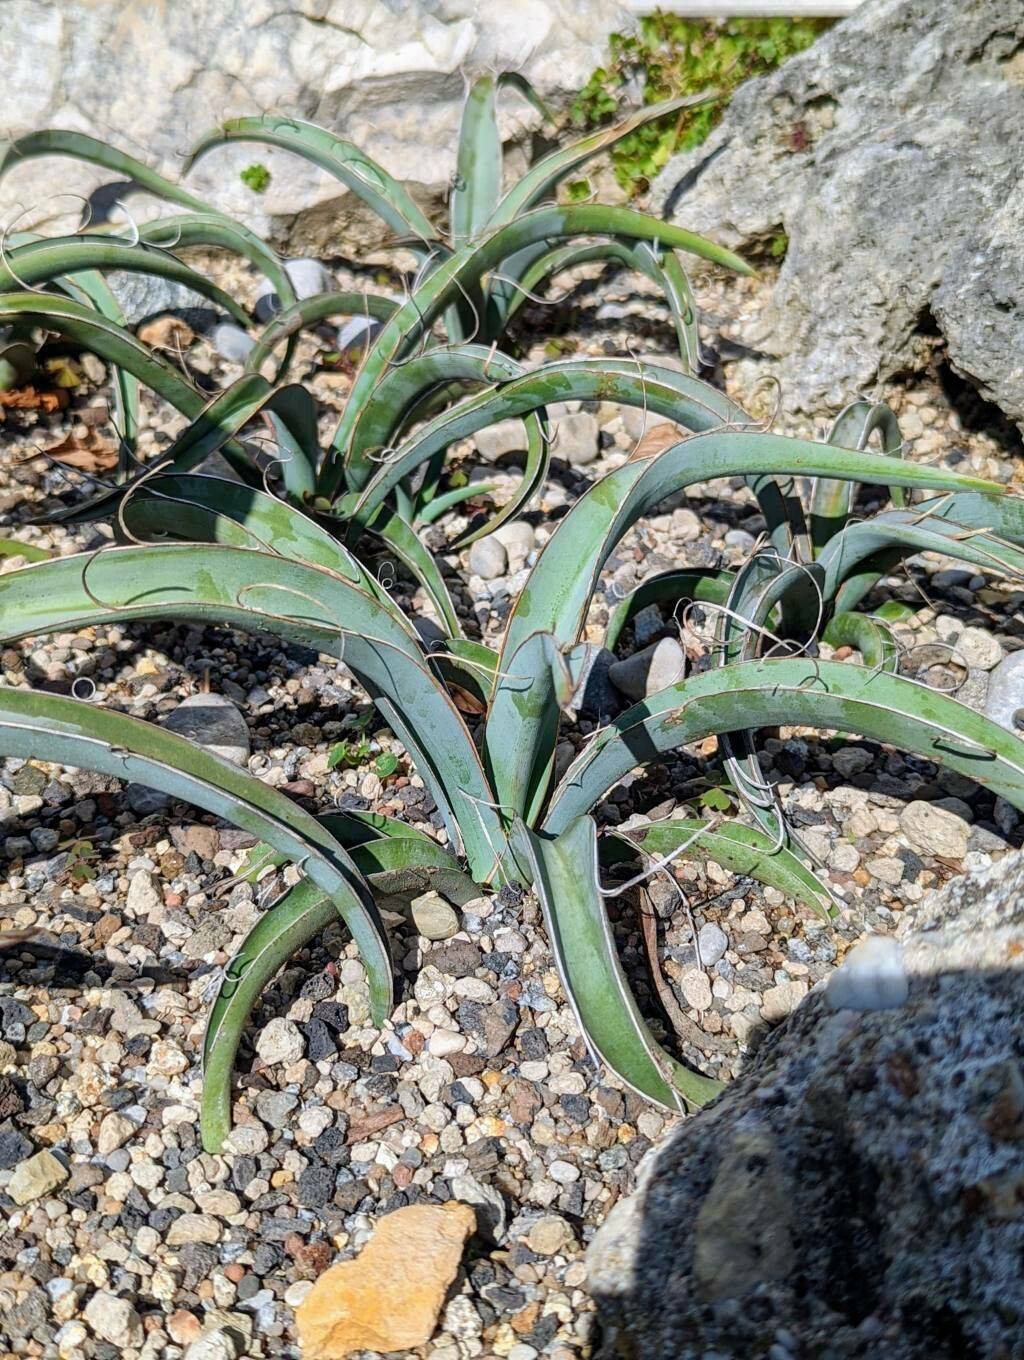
793, 692
40, 262
342, 159
256, 590
558, 594
566, 882
457, 276
632, 382
309, 312
541, 178
80, 146
744, 850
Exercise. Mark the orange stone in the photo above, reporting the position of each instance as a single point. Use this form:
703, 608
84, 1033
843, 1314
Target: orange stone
390, 1296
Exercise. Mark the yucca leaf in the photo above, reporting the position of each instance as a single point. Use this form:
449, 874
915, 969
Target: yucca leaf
354, 828
744, 850
200, 508
507, 294
632, 382
342, 159
206, 229
212, 429
566, 882
477, 186
793, 692
854, 560
310, 312
39, 262
447, 500
400, 396
94, 331
298, 917
684, 583
250, 590
460, 274
477, 183
92, 288
403, 541
541, 178
832, 502
868, 636
80, 146
567, 572
540, 685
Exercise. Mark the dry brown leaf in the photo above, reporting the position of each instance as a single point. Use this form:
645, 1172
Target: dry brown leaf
658, 437
466, 702
28, 399
90, 453
166, 332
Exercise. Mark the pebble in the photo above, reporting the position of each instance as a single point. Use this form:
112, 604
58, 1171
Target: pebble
488, 558
575, 438
932, 830
1005, 695
712, 942
870, 978
650, 670
979, 648
506, 436
231, 342
781, 1000
143, 897
549, 1235
113, 1319
36, 1177
213, 721
696, 989
433, 917
280, 1041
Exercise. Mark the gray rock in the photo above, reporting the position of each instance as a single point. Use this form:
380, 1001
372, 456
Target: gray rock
357, 333
113, 1319
507, 436
308, 277
488, 558
576, 438
594, 696
924, 97
1006, 691
144, 295
807, 1218
647, 624
712, 942
213, 721
650, 670
231, 342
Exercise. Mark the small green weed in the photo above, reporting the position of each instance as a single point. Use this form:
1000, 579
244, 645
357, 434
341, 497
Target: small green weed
255, 177
669, 56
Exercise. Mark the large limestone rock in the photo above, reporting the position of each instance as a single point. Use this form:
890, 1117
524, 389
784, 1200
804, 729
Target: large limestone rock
890, 154
860, 1192
388, 75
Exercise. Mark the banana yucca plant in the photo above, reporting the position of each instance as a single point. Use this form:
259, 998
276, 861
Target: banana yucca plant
229, 552
259, 563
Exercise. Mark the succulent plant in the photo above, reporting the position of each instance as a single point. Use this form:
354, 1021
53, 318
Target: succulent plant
228, 552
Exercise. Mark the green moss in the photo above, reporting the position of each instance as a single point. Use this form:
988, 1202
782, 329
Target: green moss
669, 56
255, 177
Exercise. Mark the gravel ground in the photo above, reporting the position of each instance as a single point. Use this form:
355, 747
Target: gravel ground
138, 1243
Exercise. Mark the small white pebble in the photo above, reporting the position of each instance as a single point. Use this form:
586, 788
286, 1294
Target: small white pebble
871, 977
